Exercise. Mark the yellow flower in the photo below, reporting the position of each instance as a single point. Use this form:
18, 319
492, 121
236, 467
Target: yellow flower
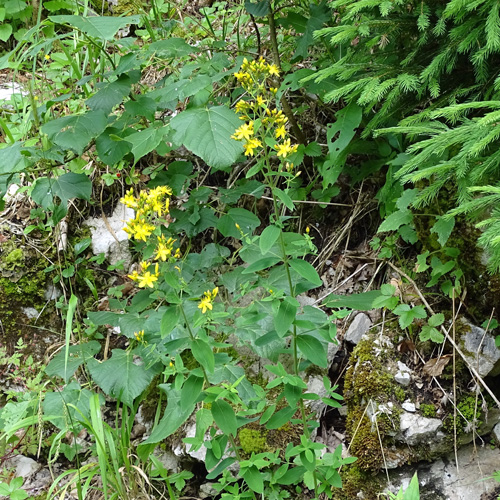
281, 132
206, 301
273, 70
129, 199
308, 230
139, 336
165, 248
241, 106
134, 276
143, 230
251, 145
261, 101
147, 279
47, 57
285, 149
243, 132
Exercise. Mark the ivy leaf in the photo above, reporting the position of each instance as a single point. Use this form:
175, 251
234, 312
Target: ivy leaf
207, 133
120, 377
100, 27
443, 228
407, 314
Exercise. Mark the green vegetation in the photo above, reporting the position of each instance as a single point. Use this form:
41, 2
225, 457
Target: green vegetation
237, 133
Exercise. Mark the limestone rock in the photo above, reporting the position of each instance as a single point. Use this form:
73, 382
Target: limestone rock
441, 480
25, 466
114, 246
359, 326
416, 429
207, 491
481, 351
496, 433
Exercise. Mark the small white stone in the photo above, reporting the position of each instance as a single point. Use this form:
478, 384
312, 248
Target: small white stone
30, 312
408, 407
402, 378
359, 326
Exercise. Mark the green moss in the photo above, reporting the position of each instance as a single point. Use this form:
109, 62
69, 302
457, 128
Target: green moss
357, 482
253, 440
14, 259
468, 411
428, 411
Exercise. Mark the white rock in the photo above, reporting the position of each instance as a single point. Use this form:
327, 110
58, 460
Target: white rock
408, 407
441, 480
403, 368
8, 91
30, 312
207, 491
167, 459
24, 466
496, 433
481, 351
52, 292
416, 429
359, 326
402, 378
103, 241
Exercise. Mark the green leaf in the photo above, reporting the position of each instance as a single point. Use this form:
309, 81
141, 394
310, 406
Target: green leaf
284, 198
306, 270
253, 478
436, 319
171, 47
66, 187
407, 314
268, 238
431, 333
120, 377
109, 149
77, 355
360, 301
313, 149
207, 133
172, 419
281, 417
190, 392
285, 317
312, 349
246, 220
203, 353
443, 228
144, 141
258, 9
76, 131
5, 32
261, 264
99, 27
394, 221
224, 417
110, 94
169, 320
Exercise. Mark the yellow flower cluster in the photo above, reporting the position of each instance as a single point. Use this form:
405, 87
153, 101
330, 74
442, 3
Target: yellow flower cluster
139, 336
206, 301
272, 122
253, 72
150, 207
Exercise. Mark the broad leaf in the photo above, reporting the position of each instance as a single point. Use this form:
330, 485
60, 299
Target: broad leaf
394, 221
224, 417
78, 354
111, 94
260, 8
306, 270
120, 377
313, 350
203, 353
253, 478
246, 221
443, 228
66, 187
268, 238
100, 27
207, 133
360, 301
76, 131
281, 417
144, 141
286, 314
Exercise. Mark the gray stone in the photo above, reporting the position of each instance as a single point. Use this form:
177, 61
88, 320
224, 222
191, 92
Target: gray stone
167, 459
402, 378
496, 433
207, 490
408, 407
30, 312
481, 351
441, 480
25, 467
415, 429
315, 385
113, 244
359, 326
